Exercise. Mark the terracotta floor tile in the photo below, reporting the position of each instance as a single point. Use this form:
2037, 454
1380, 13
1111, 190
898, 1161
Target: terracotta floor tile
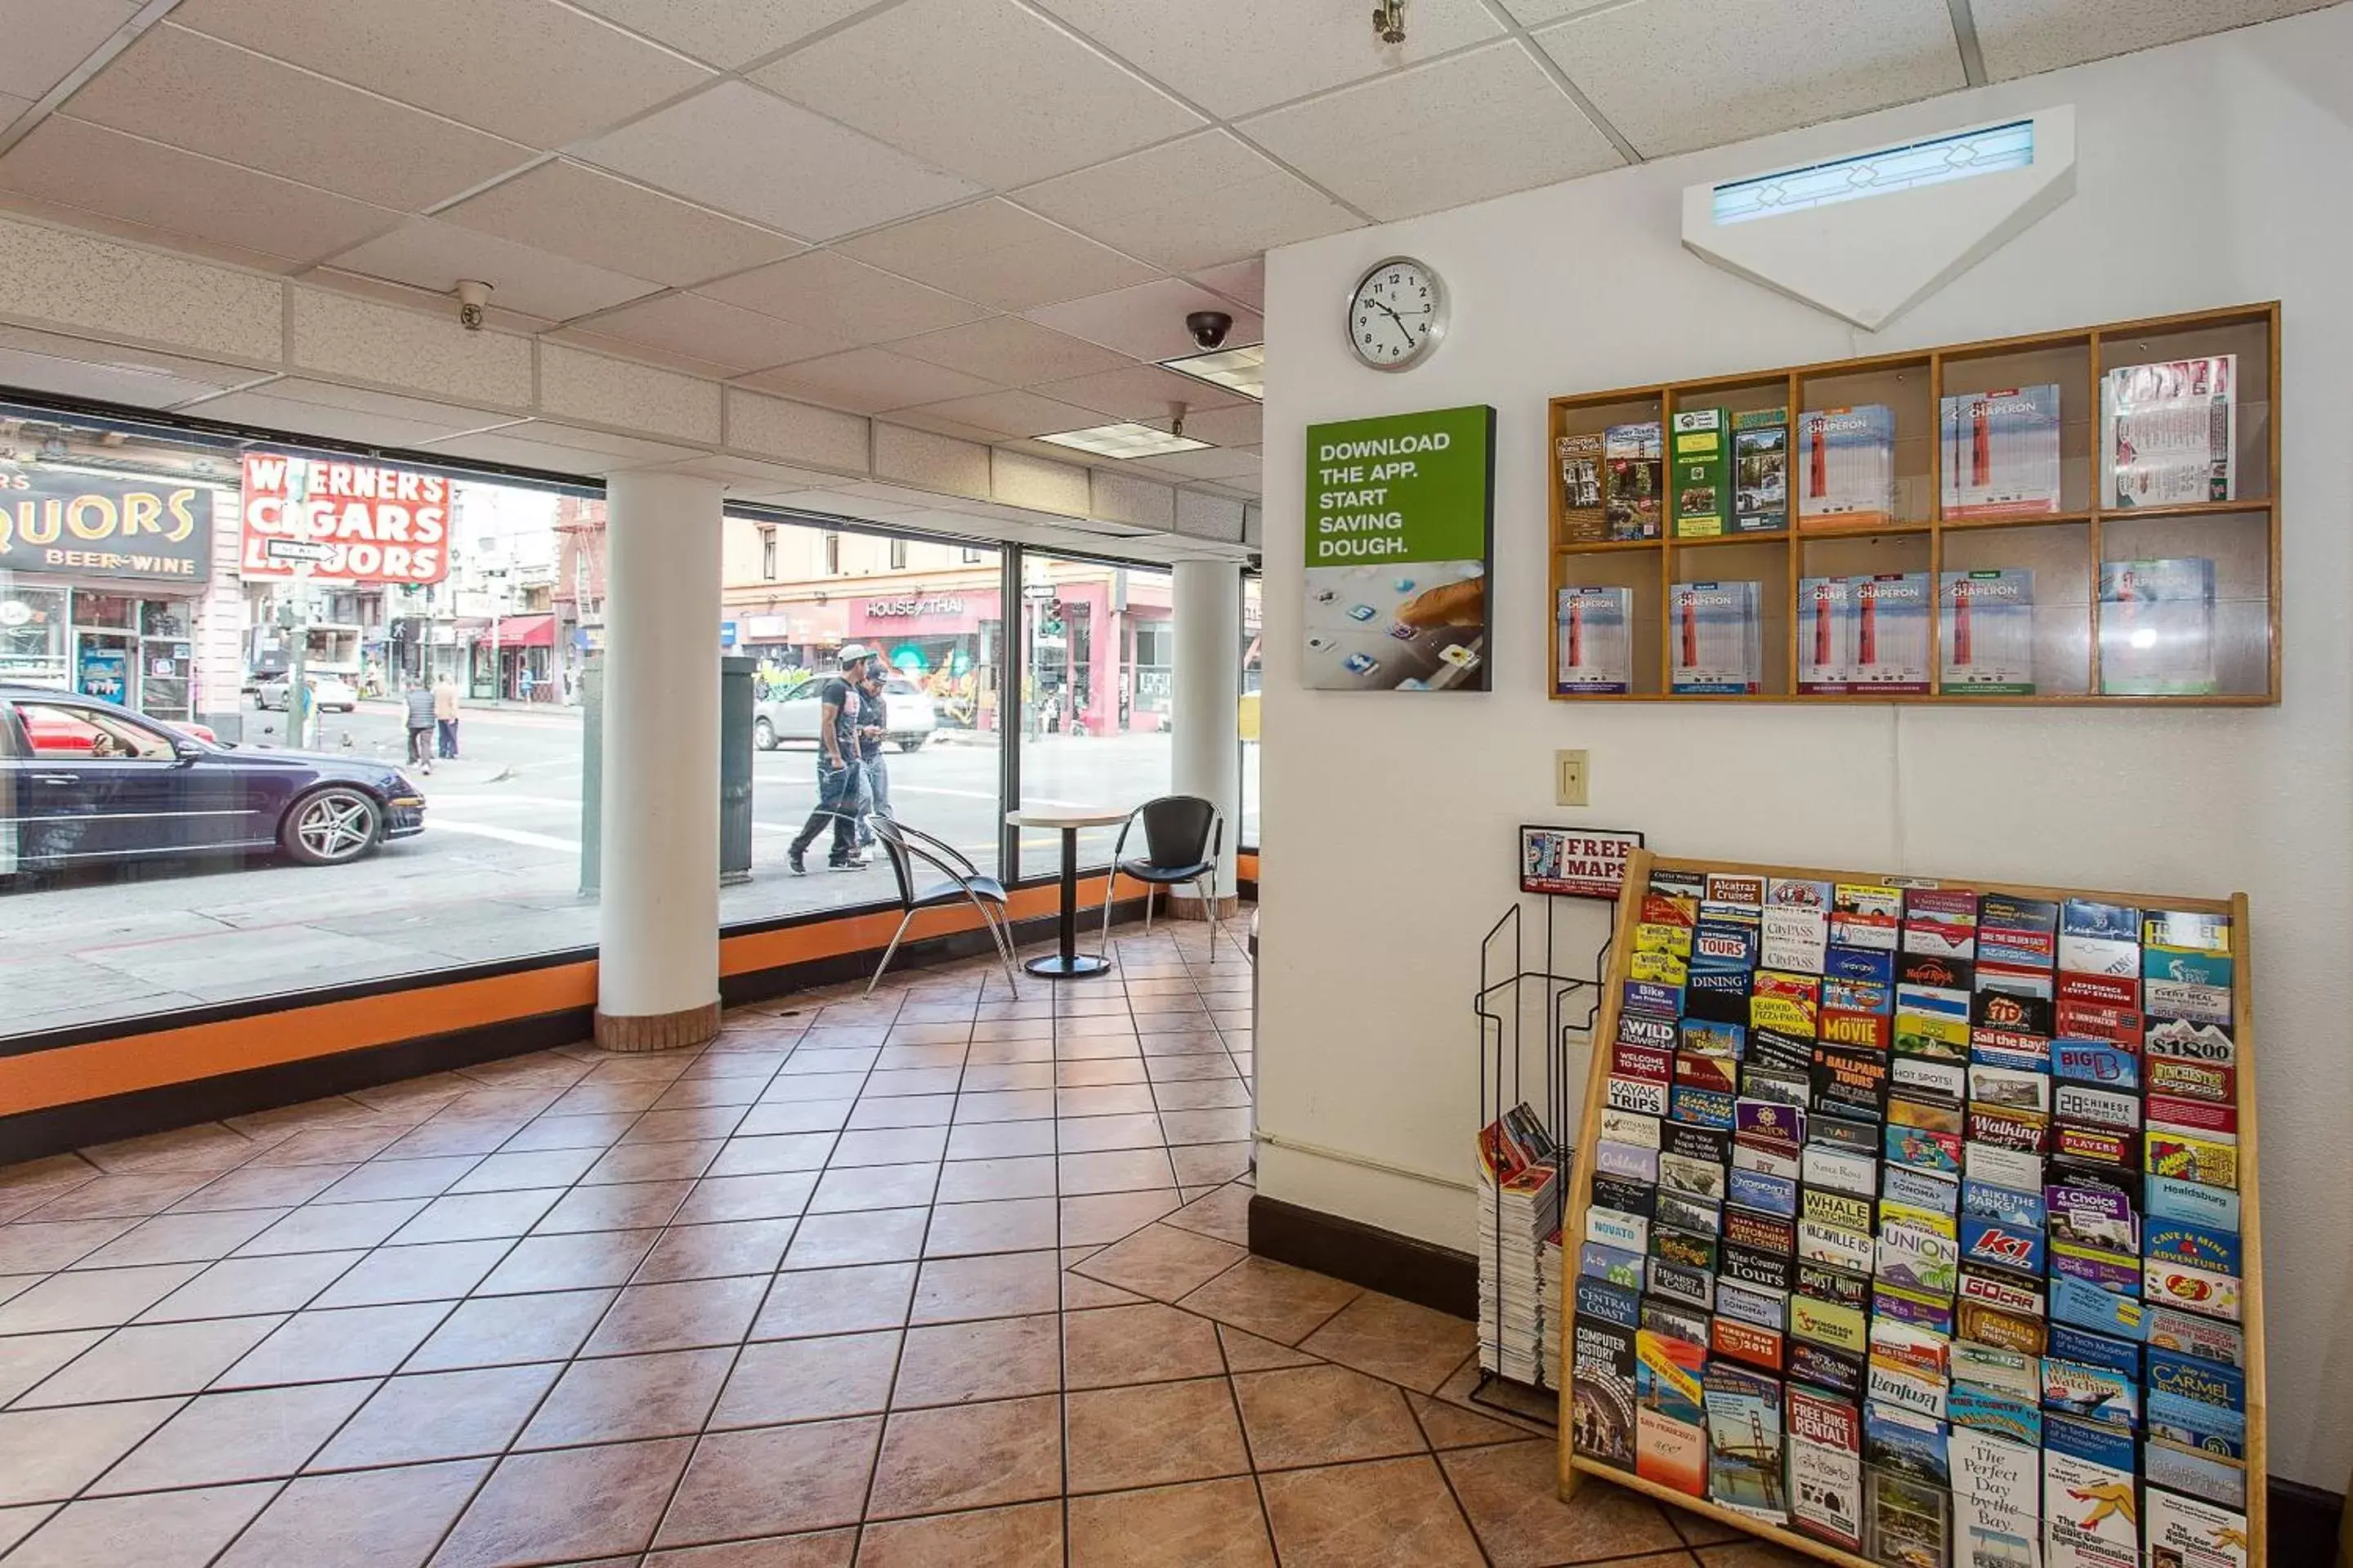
1224, 1213
656, 1160
772, 1116
1147, 1343
1000, 1139
875, 1235
33, 1246
1116, 1171
498, 1331
99, 1299
968, 1456
621, 1399
322, 1346
1025, 1535
1451, 1426
1738, 1554
773, 1480
122, 1196
49, 1455
844, 1190
251, 1435
766, 1155
889, 1146
1008, 1105
1509, 1494
1200, 1165
159, 1529
1201, 1524
522, 1169
27, 1359
1162, 1262
1207, 1066
439, 1415
1322, 1415
1226, 1126
388, 1181
151, 1360
997, 1358
560, 1132
566, 1504
808, 1379
993, 1285
824, 1549
904, 1111
624, 1207
715, 1251
440, 1271
1270, 1299
683, 1316
386, 1519
16, 1523
183, 1238
334, 1226
581, 1261
1395, 1339
1392, 1513
1097, 1219
1031, 1068
971, 1181
836, 1300
1154, 1434
1698, 1531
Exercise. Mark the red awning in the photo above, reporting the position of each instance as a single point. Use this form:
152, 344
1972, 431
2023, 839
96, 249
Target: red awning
520, 631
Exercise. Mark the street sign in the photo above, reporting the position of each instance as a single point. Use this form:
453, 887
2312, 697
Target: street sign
298, 550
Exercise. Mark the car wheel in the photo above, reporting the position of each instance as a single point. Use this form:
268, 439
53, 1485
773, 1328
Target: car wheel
912, 742
763, 735
330, 826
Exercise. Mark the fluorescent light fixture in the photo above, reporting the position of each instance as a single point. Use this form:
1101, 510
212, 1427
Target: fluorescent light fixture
1984, 151
1127, 440
1242, 370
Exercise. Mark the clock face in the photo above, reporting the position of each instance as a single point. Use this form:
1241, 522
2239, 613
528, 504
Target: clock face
1397, 314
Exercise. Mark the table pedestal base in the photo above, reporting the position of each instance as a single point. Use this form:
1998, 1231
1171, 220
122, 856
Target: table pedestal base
1054, 966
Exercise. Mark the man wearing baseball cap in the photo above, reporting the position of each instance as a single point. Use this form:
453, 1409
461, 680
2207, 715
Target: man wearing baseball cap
838, 790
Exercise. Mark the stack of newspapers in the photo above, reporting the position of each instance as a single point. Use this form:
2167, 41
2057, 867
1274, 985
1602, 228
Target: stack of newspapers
1520, 1173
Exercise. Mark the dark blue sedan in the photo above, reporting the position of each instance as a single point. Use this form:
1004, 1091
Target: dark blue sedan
83, 781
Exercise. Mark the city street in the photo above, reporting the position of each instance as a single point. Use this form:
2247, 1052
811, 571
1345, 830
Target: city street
494, 875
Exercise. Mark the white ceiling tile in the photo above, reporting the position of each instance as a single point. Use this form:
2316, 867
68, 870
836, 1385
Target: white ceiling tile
626, 395
1008, 349
1209, 463
348, 338
192, 246
860, 303
426, 253
1139, 391
294, 417
993, 252
930, 462
1012, 413
533, 71
526, 445
1441, 135
47, 38
1234, 55
715, 333
1242, 280
1130, 497
869, 380
164, 299
941, 424
1146, 321
1535, 13
12, 106
192, 92
1674, 75
1200, 201
1038, 483
590, 216
452, 417
749, 479
73, 367
80, 165
1242, 426
779, 427
727, 33
2021, 38
749, 153
985, 87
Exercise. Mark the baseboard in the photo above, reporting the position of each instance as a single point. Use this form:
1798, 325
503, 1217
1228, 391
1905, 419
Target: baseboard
1435, 1277
2303, 1525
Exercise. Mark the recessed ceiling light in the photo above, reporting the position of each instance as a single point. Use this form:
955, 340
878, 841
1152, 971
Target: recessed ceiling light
1242, 370
1127, 440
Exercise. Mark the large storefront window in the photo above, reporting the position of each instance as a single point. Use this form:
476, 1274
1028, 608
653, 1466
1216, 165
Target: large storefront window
1094, 706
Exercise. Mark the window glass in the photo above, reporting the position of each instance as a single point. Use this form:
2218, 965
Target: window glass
54, 731
1253, 679
1097, 666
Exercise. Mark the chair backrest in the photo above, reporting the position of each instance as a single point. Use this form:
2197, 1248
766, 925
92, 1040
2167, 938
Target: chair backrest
901, 863
1177, 829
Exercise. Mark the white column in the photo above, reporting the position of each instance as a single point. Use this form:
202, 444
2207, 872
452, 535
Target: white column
658, 942
1208, 619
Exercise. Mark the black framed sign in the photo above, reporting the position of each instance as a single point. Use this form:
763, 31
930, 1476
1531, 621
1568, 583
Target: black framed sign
1576, 862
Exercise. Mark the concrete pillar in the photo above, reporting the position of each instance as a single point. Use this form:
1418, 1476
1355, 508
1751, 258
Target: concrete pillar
1206, 686
658, 938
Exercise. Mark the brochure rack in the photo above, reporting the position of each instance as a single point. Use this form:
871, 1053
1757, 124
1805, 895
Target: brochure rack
2074, 648
1574, 1466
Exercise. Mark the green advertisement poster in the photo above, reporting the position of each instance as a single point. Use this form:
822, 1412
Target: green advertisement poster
1400, 533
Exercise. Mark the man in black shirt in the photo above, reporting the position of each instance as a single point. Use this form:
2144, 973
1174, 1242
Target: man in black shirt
839, 704
873, 773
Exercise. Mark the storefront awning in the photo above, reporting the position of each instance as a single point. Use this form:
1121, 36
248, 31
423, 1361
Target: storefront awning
520, 631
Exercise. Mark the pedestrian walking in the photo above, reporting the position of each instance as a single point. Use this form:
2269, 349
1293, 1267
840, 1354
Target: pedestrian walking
445, 716
419, 703
840, 705
874, 774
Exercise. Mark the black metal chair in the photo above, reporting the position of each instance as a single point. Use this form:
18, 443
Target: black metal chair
908, 850
1183, 838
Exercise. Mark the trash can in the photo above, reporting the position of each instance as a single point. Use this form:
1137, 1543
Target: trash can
735, 769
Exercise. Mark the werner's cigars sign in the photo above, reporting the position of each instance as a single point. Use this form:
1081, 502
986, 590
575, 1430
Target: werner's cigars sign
377, 524
94, 524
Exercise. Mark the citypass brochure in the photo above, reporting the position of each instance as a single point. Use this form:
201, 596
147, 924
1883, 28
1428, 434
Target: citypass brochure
1914, 1226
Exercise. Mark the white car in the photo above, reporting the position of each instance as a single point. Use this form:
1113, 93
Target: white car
787, 716
329, 694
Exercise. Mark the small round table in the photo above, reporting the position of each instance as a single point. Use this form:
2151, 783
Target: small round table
1068, 963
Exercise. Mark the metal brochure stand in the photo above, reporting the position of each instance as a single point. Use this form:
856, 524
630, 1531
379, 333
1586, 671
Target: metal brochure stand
1511, 992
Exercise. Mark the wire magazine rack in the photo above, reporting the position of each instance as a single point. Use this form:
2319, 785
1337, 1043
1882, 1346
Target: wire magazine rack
1511, 995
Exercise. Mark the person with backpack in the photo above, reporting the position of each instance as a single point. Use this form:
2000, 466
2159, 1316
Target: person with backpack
874, 775
840, 705
418, 703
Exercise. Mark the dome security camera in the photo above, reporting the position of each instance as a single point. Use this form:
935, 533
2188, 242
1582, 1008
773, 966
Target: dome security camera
1209, 328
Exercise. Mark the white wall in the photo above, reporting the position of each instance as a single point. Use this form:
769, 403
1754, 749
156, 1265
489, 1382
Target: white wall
2210, 173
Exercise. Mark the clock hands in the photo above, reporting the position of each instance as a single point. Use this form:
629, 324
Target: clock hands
1399, 320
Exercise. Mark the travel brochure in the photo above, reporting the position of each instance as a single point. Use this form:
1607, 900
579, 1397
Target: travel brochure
1913, 1226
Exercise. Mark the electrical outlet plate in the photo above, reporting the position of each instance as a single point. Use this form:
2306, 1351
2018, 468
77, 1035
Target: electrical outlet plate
1571, 778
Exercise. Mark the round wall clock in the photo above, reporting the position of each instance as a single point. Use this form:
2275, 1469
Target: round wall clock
1397, 314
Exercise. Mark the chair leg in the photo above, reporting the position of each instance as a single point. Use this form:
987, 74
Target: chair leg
889, 952
1213, 915
1002, 941
1149, 889
1103, 949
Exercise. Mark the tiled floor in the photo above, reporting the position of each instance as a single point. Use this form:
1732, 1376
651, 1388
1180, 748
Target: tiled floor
949, 1277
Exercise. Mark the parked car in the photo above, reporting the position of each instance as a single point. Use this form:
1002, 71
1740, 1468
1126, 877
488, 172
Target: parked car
57, 738
788, 715
91, 781
329, 694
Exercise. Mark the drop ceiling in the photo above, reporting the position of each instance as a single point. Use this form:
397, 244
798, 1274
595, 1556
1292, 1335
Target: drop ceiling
983, 219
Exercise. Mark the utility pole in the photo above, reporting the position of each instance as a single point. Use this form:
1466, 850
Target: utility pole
295, 617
